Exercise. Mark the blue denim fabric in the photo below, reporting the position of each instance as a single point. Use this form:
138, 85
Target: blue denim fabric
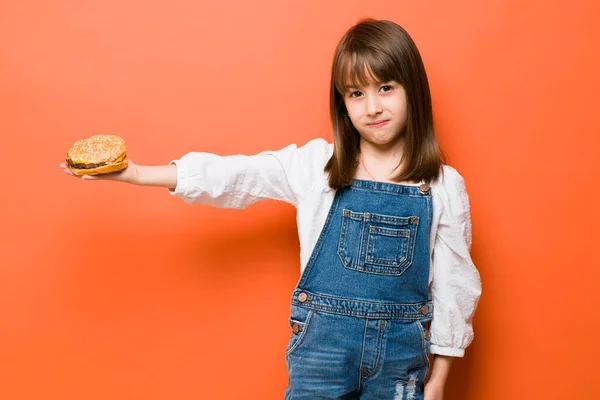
361, 310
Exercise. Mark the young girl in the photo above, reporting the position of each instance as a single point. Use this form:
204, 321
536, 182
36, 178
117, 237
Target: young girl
384, 228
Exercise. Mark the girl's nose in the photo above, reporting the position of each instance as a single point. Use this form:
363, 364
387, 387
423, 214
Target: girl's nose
374, 105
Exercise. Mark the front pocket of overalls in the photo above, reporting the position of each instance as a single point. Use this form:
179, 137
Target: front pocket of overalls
299, 324
377, 243
425, 340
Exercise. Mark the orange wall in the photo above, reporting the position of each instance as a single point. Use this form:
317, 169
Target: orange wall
116, 292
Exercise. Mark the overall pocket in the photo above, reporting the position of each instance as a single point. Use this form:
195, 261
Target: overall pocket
425, 337
299, 324
377, 243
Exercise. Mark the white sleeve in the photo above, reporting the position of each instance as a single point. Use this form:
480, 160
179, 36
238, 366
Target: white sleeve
236, 181
456, 284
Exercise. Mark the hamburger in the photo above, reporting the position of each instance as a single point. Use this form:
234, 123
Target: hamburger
99, 154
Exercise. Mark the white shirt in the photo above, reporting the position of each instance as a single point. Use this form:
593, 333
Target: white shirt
295, 175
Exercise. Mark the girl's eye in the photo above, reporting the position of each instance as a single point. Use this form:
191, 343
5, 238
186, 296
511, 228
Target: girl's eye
386, 88
355, 94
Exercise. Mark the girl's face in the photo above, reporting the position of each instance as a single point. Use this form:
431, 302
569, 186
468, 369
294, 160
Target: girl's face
377, 111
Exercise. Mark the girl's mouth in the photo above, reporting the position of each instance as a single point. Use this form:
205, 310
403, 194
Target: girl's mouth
378, 124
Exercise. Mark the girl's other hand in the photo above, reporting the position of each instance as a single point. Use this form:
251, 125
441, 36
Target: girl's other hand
127, 175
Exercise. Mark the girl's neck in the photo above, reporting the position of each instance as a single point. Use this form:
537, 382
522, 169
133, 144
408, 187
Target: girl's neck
379, 163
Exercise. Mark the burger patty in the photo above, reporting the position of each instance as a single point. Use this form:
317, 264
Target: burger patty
92, 165
84, 166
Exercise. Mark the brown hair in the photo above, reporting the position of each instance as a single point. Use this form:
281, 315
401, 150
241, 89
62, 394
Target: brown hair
384, 51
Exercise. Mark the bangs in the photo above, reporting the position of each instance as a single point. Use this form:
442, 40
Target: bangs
362, 67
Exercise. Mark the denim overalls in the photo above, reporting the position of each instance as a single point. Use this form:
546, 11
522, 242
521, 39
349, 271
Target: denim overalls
361, 310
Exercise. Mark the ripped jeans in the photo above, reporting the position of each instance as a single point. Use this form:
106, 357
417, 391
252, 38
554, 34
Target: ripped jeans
332, 356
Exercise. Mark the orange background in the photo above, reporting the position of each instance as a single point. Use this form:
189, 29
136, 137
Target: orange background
110, 291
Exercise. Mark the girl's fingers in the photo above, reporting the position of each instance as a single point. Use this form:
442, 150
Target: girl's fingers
68, 171
65, 168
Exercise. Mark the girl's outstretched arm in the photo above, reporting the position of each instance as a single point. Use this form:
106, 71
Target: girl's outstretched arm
234, 181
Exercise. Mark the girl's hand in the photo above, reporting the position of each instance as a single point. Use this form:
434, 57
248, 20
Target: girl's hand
433, 391
127, 175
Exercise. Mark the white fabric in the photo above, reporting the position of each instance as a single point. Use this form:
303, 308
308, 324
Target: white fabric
295, 175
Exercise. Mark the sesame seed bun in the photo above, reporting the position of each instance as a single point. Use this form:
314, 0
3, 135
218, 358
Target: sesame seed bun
99, 154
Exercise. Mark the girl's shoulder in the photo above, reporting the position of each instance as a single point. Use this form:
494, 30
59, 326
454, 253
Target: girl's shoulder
449, 178
314, 154
318, 148
450, 187
318, 152
304, 163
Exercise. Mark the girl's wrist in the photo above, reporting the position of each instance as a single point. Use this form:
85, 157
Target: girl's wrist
151, 175
440, 370
135, 175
